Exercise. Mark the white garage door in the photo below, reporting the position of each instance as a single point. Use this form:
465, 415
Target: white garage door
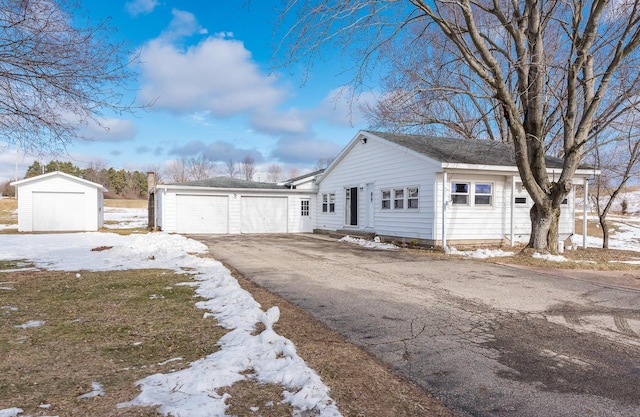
202, 214
264, 215
58, 212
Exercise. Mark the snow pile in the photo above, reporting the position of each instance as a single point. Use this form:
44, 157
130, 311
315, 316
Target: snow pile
376, 243
549, 257
97, 391
478, 253
266, 357
30, 324
10, 412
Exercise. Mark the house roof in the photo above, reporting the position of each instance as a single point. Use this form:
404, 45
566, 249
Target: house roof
229, 182
459, 151
302, 177
61, 175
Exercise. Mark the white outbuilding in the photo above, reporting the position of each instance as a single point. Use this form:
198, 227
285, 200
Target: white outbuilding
59, 202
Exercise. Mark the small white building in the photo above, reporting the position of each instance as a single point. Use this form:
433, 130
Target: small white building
225, 205
433, 190
59, 202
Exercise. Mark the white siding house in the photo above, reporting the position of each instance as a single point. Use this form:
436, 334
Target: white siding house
226, 205
434, 191
59, 202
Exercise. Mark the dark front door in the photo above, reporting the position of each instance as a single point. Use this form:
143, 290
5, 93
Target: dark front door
351, 217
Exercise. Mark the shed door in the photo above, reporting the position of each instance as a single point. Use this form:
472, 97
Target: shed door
58, 212
264, 215
207, 214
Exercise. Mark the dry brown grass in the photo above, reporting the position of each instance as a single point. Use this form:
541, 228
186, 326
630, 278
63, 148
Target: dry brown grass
8, 206
108, 327
121, 203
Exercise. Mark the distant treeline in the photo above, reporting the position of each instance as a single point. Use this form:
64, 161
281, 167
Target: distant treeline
120, 183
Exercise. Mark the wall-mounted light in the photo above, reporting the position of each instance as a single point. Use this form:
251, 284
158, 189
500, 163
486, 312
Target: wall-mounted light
363, 140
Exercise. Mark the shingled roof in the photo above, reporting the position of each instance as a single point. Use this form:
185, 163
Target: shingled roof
229, 182
459, 151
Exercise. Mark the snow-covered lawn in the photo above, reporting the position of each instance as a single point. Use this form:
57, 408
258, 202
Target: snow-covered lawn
267, 356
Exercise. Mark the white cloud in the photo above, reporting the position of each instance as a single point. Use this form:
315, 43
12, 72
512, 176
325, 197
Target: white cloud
216, 75
341, 107
182, 25
138, 7
108, 130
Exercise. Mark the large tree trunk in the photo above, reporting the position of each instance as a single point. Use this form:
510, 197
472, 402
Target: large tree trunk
544, 228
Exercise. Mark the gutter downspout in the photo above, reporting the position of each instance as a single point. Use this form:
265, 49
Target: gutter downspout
513, 207
444, 208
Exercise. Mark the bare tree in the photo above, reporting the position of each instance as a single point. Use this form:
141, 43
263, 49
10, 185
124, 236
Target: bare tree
619, 162
293, 172
274, 173
323, 163
59, 71
231, 169
534, 61
177, 170
158, 170
248, 167
200, 167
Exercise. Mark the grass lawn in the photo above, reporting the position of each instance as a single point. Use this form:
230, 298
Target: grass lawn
107, 327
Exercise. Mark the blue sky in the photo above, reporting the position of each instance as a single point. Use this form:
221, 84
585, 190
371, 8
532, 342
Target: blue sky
208, 68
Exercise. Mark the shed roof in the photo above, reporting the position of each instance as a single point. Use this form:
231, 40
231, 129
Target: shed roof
229, 182
459, 151
58, 174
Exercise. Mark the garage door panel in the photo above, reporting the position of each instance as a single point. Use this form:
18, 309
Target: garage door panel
202, 214
58, 212
264, 214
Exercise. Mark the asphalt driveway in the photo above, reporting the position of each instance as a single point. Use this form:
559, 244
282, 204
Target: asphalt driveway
487, 340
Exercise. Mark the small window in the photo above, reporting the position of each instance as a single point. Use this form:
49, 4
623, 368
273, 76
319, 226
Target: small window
328, 203
412, 197
521, 200
565, 202
460, 193
304, 208
386, 199
398, 199
483, 193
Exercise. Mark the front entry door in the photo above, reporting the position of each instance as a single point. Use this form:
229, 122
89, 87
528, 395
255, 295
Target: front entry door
351, 206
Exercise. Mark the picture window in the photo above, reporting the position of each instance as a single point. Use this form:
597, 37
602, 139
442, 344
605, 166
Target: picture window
460, 193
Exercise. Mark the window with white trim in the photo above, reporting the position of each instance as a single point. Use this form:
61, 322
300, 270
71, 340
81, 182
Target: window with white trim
412, 197
483, 194
460, 193
328, 203
386, 199
398, 198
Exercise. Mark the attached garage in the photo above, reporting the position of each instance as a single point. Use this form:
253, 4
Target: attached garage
264, 214
226, 205
59, 202
202, 213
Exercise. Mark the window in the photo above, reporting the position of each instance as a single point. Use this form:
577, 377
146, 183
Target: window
483, 193
521, 200
386, 199
304, 208
565, 202
460, 193
328, 203
398, 199
412, 197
